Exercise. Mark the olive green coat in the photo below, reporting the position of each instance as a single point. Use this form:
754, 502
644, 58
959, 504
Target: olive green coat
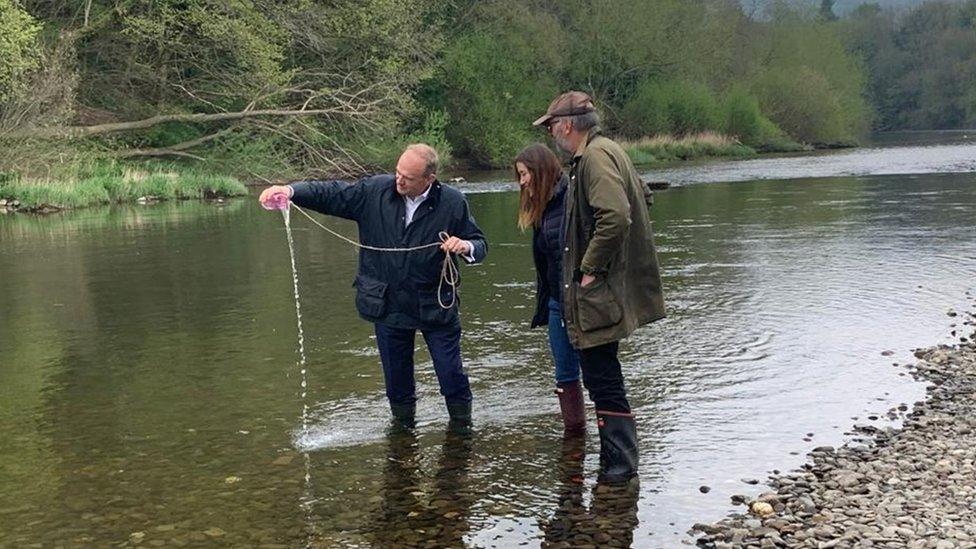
608, 235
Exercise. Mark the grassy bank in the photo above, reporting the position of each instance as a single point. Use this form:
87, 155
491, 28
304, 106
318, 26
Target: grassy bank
111, 182
667, 148
83, 179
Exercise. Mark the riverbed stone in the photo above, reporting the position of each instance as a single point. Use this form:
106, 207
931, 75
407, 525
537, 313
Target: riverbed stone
908, 486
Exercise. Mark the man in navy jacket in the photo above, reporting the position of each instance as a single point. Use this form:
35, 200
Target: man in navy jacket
398, 291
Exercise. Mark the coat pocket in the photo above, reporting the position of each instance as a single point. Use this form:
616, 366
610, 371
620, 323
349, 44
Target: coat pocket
598, 308
370, 296
431, 312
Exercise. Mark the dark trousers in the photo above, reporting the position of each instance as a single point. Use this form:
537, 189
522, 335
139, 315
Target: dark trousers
603, 378
396, 352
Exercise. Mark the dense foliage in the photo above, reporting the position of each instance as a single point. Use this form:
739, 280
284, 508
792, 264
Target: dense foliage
921, 64
465, 75
18, 46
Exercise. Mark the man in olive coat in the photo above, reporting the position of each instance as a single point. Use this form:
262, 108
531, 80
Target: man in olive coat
611, 280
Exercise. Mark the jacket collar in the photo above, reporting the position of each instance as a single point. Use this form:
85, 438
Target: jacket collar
420, 197
433, 199
561, 186
558, 192
433, 192
593, 133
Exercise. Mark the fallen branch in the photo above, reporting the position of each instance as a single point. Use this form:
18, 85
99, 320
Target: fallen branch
175, 150
74, 132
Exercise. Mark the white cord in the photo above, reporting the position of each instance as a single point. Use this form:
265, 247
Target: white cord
449, 271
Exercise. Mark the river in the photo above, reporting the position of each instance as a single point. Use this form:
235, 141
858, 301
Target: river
150, 392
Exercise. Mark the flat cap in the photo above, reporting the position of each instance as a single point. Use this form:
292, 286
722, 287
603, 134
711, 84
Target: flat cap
570, 103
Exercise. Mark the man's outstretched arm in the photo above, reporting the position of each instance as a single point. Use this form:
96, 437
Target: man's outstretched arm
336, 198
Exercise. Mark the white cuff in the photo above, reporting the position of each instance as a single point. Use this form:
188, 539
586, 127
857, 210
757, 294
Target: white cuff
470, 256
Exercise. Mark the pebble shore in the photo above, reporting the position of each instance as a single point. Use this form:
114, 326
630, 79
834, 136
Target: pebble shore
908, 487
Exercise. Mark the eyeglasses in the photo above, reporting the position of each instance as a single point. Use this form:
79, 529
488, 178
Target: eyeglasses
551, 124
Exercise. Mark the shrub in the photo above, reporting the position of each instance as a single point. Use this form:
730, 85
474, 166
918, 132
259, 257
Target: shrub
676, 107
803, 104
692, 108
646, 113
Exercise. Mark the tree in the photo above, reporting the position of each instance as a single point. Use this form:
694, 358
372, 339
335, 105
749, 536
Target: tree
178, 74
19, 51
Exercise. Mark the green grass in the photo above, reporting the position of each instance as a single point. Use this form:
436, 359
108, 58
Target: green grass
666, 148
110, 182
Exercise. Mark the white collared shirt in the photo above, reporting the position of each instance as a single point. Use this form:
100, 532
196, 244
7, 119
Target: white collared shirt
413, 203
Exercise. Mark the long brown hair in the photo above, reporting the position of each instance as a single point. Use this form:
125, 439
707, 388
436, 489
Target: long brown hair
543, 166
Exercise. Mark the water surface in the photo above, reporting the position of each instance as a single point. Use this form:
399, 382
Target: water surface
150, 389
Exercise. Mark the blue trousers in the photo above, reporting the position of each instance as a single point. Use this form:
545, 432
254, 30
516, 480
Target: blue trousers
396, 352
563, 353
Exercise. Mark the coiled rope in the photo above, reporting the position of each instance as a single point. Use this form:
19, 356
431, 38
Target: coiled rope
449, 271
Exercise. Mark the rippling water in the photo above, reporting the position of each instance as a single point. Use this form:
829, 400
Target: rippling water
148, 388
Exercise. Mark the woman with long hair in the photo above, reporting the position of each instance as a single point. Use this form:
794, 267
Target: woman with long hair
541, 206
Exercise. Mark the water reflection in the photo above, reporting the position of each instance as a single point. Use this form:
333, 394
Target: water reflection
612, 515
410, 514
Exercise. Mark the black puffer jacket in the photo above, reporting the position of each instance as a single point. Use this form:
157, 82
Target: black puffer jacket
547, 253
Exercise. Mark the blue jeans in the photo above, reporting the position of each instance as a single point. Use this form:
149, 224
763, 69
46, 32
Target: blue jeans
563, 353
396, 353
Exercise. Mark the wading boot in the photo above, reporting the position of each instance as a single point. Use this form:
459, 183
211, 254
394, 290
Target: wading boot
460, 413
618, 446
571, 406
404, 415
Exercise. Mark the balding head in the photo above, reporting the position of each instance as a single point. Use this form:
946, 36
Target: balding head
428, 154
416, 169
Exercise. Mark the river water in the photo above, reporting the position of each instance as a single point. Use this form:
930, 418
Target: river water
150, 391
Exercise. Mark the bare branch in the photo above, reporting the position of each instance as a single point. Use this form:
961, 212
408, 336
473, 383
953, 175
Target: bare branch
200, 99
175, 150
70, 132
158, 152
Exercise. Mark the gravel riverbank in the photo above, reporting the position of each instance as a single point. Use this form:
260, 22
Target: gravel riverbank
913, 486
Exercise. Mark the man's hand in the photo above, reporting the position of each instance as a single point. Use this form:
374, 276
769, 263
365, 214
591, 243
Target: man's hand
276, 197
457, 246
586, 279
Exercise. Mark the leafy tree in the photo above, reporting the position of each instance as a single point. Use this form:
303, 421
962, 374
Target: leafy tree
499, 78
19, 52
921, 65
808, 84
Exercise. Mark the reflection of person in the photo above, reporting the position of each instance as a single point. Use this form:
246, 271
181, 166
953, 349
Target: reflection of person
611, 283
399, 291
541, 205
612, 517
404, 518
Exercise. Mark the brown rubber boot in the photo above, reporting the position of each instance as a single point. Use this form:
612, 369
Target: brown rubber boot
571, 406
